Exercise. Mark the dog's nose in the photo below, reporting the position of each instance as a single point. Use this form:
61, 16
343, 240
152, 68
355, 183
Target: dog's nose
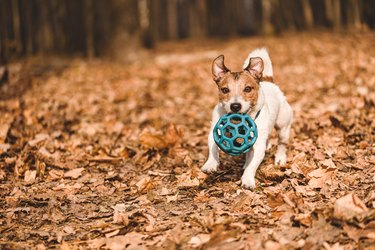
235, 107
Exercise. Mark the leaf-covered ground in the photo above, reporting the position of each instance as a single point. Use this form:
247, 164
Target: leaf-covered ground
106, 155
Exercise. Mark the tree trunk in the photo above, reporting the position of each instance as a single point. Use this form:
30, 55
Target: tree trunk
307, 13
267, 28
16, 27
155, 21
333, 13
197, 19
172, 19
89, 25
44, 32
354, 15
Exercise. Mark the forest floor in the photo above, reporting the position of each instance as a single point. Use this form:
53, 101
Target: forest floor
100, 154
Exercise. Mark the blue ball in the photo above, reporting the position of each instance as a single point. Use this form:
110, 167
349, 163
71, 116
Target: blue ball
235, 134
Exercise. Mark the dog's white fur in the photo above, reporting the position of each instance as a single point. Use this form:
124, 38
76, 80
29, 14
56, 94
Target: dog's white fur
275, 111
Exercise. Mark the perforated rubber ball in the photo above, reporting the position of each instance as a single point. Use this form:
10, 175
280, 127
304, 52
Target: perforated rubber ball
235, 134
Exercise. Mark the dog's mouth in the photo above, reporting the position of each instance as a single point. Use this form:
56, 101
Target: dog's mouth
241, 111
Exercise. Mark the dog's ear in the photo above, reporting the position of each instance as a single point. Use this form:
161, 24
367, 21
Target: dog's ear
218, 68
255, 67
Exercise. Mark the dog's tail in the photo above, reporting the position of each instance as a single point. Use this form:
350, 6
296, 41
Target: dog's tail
262, 53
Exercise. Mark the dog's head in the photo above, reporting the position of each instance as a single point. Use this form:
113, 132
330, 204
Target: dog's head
238, 91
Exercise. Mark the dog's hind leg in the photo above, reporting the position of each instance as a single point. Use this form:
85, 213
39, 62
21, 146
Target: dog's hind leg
283, 124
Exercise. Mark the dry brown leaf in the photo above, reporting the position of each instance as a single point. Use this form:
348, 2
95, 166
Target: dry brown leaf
304, 219
319, 155
144, 184
329, 164
112, 233
74, 173
56, 174
149, 140
321, 177
348, 207
335, 246
69, 230
173, 136
5, 123
38, 139
119, 214
30, 176
199, 240
185, 180
272, 245
360, 233
122, 242
197, 173
164, 191
171, 139
4, 148
171, 198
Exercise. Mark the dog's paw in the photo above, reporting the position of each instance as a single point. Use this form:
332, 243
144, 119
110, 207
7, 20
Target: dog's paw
210, 166
280, 159
248, 182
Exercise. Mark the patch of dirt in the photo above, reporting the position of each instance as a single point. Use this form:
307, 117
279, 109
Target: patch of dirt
105, 155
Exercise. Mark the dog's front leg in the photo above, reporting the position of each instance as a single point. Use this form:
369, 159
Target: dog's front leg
253, 160
213, 151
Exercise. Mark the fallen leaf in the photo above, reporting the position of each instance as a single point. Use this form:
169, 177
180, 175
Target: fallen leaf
30, 176
38, 139
171, 139
321, 177
317, 173
348, 207
335, 246
368, 231
173, 136
69, 230
120, 218
199, 240
185, 180
304, 219
149, 140
4, 148
171, 198
272, 245
122, 242
144, 184
164, 191
329, 164
112, 233
56, 174
74, 173
4, 128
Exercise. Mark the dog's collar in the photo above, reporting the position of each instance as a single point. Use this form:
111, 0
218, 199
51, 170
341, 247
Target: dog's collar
258, 113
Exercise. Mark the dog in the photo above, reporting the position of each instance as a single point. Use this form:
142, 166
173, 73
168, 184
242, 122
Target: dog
251, 91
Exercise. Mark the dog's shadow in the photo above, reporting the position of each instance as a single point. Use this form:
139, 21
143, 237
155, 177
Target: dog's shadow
231, 169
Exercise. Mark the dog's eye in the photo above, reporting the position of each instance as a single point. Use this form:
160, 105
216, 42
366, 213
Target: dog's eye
247, 89
225, 90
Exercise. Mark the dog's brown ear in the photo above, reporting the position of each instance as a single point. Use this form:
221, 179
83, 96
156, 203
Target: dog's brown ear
255, 67
218, 68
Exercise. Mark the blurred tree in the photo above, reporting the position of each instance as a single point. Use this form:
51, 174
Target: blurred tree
95, 28
307, 13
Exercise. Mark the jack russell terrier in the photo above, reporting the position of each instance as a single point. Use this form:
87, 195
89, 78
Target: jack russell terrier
251, 91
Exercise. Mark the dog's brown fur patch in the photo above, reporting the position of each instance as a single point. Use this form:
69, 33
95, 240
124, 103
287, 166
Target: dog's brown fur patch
236, 82
267, 79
